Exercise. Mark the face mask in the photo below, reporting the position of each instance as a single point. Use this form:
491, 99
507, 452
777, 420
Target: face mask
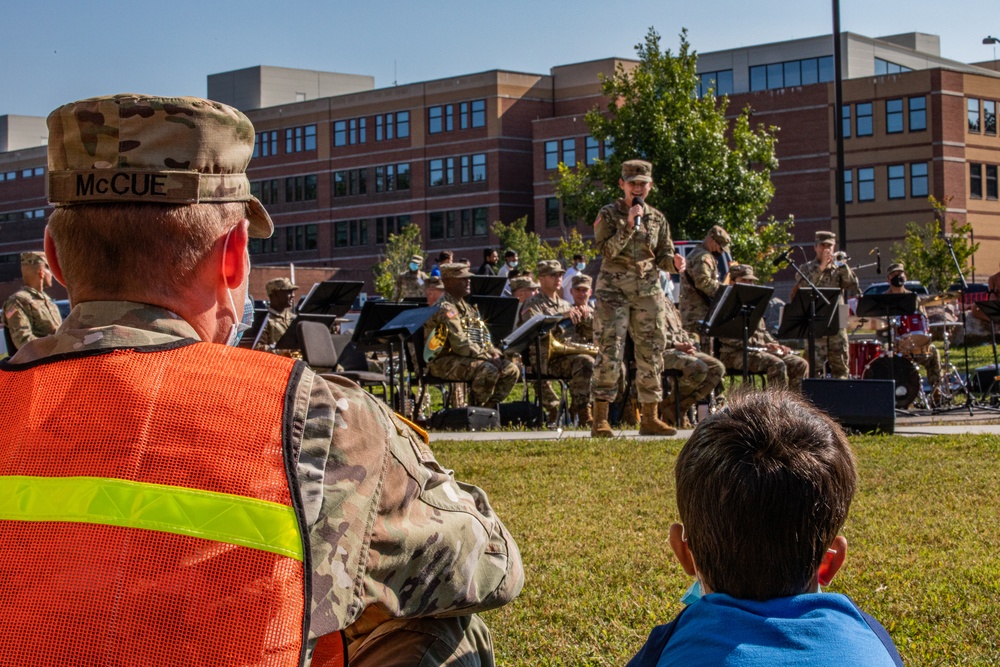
512, 264
247, 320
897, 281
580, 266
414, 266
692, 594
237, 328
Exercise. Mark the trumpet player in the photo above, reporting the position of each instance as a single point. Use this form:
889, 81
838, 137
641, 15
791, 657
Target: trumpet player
571, 362
764, 354
830, 271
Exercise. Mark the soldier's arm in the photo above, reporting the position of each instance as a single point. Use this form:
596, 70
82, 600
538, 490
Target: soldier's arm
848, 280
610, 236
664, 251
458, 339
706, 278
18, 322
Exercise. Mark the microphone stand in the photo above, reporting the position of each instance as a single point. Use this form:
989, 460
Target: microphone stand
811, 335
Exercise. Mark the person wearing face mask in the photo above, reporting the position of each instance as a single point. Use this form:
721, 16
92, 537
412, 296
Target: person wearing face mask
575, 269
700, 281
929, 357
509, 262
410, 283
30, 313
251, 507
280, 312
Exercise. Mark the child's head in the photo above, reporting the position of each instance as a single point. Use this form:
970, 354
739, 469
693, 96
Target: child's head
763, 488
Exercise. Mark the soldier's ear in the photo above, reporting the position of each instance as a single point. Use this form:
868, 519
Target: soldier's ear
53, 258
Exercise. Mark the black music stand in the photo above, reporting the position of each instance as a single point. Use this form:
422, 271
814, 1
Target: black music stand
253, 333
375, 315
487, 285
735, 312
813, 312
530, 333
887, 305
499, 313
331, 297
398, 330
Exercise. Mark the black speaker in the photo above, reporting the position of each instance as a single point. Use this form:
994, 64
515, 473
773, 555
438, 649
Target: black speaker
983, 380
865, 406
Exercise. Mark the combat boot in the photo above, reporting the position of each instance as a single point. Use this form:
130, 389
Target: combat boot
650, 425
582, 413
600, 428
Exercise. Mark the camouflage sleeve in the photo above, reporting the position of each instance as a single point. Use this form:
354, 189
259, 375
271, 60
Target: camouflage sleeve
664, 251
848, 280
388, 526
268, 337
17, 319
705, 275
610, 234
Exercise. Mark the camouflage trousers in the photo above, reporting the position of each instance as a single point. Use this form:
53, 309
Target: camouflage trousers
834, 350
489, 385
931, 361
786, 371
461, 641
577, 370
641, 314
701, 373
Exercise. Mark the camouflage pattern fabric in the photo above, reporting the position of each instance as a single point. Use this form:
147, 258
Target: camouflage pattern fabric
29, 314
782, 371
390, 529
275, 327
409, 284
703, 270
833, 349
462, 641
577, 369
490, 375
629, 299
583, 331
701, 373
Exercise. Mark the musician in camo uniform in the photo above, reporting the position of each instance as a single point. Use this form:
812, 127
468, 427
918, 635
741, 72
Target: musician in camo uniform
700, 281
700, 372
410, 283
583, 325
456, 352
930, 357
765, 354
824, 272
30, 313
280, 312
397, 553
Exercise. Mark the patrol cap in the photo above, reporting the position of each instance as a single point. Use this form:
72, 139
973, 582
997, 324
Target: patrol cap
637, 170
434, 282
896, 267
131, 148
523, 282
742, 272
549, 267
826, 238
417, 258
34, 257
279, 285
719, 235
581, 279
455, 270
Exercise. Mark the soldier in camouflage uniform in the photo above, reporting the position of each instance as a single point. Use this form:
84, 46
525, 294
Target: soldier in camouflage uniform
522, 288
634, 241
29, 313
410, 283
701, 373
583, 325
577, 369
700, 282
765, 354
401, 554
280, 312
824, 272
452, 351
929, 358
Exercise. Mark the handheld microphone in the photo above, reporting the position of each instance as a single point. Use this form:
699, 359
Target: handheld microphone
637, 201
782, 258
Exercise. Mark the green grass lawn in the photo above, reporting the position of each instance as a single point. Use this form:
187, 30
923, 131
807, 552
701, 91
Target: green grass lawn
591, 519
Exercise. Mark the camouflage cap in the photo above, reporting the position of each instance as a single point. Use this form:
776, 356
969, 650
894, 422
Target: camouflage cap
742, 272
132, 148
582, 279
549, 267
455, 270
34, 257
523, 282
826, 238
719, 235
895, 267
279, 285
637, 170
417, 258
434, 282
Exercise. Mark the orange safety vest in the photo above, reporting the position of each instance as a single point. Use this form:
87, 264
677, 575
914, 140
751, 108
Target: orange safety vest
149, 513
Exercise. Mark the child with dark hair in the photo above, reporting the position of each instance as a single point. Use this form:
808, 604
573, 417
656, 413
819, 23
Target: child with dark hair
763, 489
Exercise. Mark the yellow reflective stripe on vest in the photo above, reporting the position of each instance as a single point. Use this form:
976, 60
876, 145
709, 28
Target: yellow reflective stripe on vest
220, 517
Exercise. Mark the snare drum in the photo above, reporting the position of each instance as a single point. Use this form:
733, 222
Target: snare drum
913, 334
861, 353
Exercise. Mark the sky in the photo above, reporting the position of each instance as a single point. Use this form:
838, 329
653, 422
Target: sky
56, 51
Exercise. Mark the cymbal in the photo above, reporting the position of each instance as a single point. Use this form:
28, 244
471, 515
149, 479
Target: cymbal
938, 299
934, 325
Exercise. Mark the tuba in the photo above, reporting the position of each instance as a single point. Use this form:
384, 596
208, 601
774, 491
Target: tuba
561, 348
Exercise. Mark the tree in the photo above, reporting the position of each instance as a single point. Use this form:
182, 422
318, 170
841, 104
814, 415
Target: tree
528, 246
573, 245
925, 253
396, 259
707, 169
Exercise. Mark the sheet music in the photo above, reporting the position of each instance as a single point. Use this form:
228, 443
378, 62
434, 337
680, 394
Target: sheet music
517, 333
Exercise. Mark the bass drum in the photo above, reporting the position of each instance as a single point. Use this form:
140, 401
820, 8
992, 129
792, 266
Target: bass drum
903, 371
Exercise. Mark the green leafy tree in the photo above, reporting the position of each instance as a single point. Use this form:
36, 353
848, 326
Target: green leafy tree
925, 252
396, 259
572, 245
527, 245
708, 169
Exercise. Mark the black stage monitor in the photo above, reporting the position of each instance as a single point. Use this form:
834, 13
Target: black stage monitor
487, 285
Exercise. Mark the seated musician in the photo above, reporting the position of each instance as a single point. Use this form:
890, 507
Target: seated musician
583, 322
700, 372
433, 289
280, 312
522, 287
928, 357
571, 363
458, 347
764, 354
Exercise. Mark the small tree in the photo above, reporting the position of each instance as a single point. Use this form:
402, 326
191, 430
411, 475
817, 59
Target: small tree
528, 246
925, 251
396, 259
575, 244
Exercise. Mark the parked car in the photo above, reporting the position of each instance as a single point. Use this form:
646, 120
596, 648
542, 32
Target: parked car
977, 292
882, 288
64, 307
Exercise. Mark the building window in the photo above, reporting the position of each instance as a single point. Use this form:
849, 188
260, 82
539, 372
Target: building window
866, 184
886, 67
848, 186
266, 144
593, 151
300, 188
551, 154
265, 191
918, 113
341, 233
551, 211
478, 167
609, 147
845, 121
569, 152
340, 133
864, 112
403, 176
719, 83
973, 106
441, 172
893, 116
402, 124
990, 117
791, 73
264, 246
479, 226
918, 179
300, 237
991, 181
298, 139
357, 131
975, 180
435, 225
479, 113
897, 181
434, 126
378, 128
